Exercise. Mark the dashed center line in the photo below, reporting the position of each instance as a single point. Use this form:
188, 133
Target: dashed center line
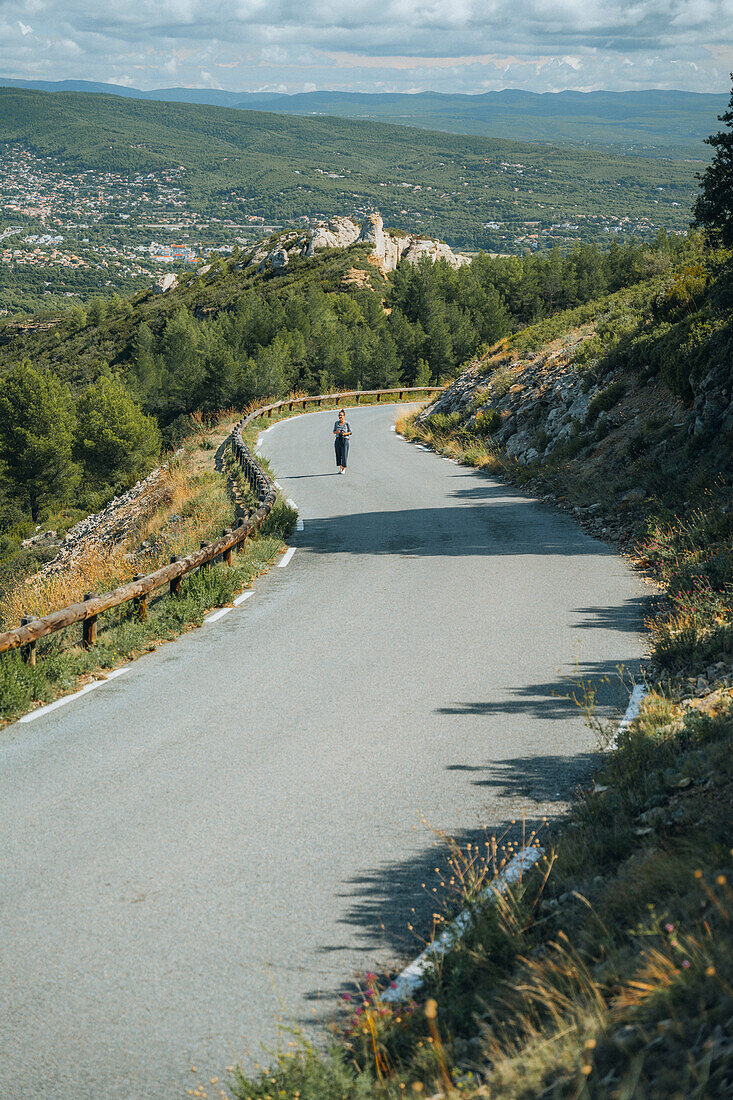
242, 597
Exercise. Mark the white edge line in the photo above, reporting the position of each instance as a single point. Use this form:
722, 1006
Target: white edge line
411, 979
286, 558
70, 698
243, 596
217, 615
632, 712
393, 428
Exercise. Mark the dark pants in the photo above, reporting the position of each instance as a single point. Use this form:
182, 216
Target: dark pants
342, 450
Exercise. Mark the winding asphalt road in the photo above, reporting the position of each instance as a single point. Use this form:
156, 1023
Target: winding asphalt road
228, 831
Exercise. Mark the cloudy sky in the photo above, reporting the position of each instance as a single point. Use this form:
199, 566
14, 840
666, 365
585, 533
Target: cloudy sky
372, 45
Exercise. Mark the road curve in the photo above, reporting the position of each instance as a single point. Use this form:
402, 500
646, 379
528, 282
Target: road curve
227, 832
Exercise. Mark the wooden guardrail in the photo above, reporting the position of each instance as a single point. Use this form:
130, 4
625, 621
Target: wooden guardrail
25, 636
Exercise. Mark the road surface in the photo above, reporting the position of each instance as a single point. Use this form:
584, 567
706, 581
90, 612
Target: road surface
226, 833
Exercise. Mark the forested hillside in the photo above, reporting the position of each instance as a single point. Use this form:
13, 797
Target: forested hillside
85, 401
651, 123
473, 192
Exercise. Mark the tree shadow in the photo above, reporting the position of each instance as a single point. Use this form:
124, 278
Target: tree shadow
628, 617
506, 528
392, 907
598, 687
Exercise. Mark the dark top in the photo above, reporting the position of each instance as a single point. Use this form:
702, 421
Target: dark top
342, 429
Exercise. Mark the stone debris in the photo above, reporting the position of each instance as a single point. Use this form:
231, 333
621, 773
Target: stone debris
119, 520
340, 232
42, 539
526, 393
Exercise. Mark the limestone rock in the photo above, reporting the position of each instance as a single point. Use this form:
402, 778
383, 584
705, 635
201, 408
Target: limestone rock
340, 232
335, 233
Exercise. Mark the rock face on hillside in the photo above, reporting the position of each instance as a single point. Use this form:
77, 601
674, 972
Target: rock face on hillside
340, 232
522, 397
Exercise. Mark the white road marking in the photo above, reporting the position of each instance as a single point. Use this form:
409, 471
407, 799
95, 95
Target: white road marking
411, 979
242, 597
218, 614
279, 486
632, 711
299, 525
393, 428
286, 557
70, 698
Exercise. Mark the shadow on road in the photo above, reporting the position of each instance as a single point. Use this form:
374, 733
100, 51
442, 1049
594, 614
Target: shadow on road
299, 477
601, 686
515, 527
391, 908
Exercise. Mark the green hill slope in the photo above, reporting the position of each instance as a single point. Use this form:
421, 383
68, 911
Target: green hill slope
470, 191
651, 123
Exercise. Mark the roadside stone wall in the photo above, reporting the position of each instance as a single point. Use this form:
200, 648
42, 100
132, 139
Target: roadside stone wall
119, 520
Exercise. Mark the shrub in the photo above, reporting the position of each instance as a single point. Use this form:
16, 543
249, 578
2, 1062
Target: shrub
445, 422
486, 421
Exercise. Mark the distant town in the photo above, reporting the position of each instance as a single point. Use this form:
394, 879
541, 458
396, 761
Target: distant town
71, 233
125, 230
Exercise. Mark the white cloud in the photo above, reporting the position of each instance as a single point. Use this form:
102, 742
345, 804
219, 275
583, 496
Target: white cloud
461, 45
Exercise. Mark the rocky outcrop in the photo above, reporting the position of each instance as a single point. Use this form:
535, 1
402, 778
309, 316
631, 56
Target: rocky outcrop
387, 249
534, 404
167, 282
712, 408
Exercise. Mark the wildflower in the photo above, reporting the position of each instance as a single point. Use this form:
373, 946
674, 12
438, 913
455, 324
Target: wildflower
345, 996
685, 964
669, 928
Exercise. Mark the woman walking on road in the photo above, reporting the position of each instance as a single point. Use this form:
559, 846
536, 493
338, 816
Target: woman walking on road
342, 431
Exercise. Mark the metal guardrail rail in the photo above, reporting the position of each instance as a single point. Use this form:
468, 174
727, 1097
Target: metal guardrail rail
25, 636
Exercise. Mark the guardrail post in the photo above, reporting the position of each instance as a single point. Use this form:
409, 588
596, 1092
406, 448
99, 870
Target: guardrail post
227, 555
243, 542
205, 564
175, 584
28, 652
269, 413
89, 626
140, 603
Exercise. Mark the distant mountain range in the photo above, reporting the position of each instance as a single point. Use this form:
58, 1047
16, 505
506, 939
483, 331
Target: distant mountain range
646, 123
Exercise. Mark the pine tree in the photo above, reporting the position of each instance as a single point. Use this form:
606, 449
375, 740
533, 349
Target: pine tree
37, 422
116, 442
713, 209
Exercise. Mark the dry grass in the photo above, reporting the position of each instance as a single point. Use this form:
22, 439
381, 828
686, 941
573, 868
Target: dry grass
200, 500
